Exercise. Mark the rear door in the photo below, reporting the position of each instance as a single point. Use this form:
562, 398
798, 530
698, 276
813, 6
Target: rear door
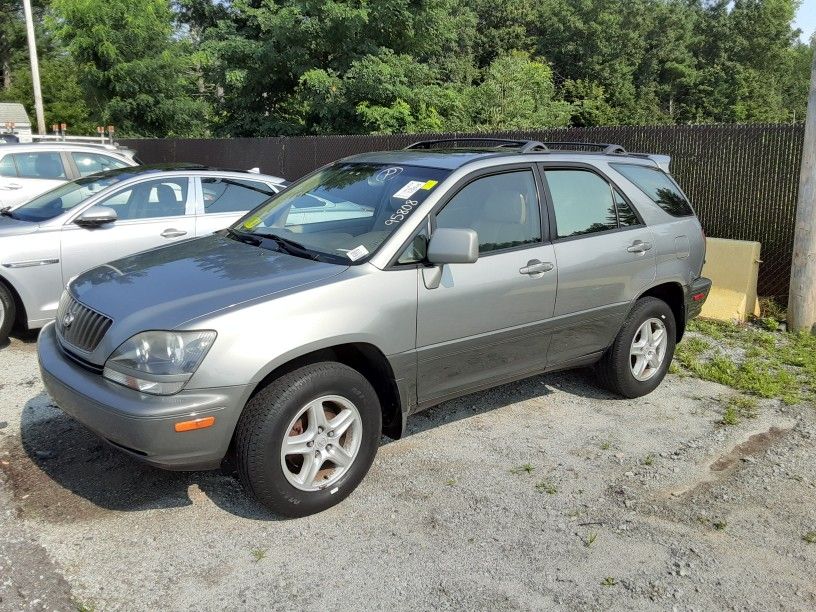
223, 200
605, 259
488, 321
151, 213
24, 176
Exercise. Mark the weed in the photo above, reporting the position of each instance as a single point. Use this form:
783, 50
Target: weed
590, 539
719, 525
546, 487
770, 308
450, 482
523, 469
739, 407
609, 581
810, 537
83, 606
606, 445
648, 459
730, 416
258, 554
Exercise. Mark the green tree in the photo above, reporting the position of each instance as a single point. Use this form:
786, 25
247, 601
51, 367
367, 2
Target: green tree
135, 74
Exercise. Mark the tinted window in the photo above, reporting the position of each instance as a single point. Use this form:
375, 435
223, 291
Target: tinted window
60, 199
223, 195
89, 163
151, 199
658, 186
503, 209
39, 165
626, 215
7, 167
582, 201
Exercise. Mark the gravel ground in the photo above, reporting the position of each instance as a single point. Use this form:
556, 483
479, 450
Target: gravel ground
545, 494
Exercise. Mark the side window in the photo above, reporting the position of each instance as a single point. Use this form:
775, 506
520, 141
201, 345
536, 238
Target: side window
7, 167
39, 165
417, 250
150, 199
626, 216
582, 201
502, 208
223, 195
658, 186
89, 163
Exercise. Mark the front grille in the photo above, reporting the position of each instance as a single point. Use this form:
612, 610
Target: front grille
78, 325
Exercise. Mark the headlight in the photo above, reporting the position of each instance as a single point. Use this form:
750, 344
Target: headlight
158, 362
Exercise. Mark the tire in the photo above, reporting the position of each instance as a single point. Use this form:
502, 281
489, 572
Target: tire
271, 417
617, 368
8, 313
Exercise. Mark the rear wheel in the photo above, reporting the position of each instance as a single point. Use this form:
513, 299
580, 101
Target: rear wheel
306, 441
8, 312
639, 357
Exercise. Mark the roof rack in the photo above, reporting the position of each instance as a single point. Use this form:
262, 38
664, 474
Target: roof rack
606, 149
524, 146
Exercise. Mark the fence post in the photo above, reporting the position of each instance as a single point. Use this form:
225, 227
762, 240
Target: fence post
802, 296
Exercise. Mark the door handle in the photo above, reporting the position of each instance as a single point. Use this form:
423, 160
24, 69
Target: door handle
638, 246
534, 266
172, 233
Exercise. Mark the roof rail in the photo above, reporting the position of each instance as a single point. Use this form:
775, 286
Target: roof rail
606, 149
525, 146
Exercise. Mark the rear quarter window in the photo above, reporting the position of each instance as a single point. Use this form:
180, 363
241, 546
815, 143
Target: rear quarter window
660, 188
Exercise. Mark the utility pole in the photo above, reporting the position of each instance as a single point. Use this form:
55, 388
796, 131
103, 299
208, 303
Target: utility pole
802, 297
35, 67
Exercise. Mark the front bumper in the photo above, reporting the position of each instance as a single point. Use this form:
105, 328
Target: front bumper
696, 296
139, 424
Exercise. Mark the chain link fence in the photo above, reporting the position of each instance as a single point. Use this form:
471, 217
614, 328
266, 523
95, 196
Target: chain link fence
742, 179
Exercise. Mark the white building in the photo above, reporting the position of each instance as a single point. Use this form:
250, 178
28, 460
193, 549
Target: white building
14, 112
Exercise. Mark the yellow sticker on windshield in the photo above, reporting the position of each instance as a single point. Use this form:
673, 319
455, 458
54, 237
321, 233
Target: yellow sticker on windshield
429, 185
252, 222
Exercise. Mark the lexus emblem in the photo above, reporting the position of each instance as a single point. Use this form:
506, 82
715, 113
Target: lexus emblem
387, 174
67, 320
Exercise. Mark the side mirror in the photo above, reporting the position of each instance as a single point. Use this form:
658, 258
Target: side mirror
96, 216
453, 245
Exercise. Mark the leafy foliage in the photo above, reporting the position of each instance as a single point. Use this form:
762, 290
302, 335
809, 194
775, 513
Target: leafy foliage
263, 67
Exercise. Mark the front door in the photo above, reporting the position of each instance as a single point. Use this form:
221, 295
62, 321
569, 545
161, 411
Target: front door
487, 321
150, 214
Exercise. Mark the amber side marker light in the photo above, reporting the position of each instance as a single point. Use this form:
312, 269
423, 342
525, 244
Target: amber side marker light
201, 423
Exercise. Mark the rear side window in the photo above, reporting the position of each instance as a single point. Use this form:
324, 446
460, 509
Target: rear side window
222, 195
90, 163
7, 167
658, 186
39, 165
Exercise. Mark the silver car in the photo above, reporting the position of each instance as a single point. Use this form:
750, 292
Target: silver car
286, 346
28, 170
86, 222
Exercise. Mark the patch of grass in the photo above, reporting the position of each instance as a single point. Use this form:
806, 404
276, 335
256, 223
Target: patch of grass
717, 330
258, 554
739, 407
648, 459
609, 581
606, 445
719, 525
523, 469
83, 606
810, 537
590, 539
689, 351
546, 487
770, 308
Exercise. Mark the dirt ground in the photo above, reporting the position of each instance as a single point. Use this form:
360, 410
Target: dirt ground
545, 494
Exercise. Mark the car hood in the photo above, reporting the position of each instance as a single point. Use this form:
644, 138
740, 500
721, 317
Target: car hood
15, 227
165, 287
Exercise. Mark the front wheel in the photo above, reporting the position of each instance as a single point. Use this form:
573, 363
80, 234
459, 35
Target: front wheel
305, 441
639, 357
8, 312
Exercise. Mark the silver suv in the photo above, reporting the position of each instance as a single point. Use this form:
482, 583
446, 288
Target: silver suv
375, 287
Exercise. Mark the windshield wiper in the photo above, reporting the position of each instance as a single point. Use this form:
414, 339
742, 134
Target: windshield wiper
289, 246
6, 212
244, 237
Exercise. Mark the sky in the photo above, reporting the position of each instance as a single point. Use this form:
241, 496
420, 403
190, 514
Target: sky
806, 19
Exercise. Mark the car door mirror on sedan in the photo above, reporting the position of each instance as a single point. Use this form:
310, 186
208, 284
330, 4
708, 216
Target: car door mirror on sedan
96, 216
453, 245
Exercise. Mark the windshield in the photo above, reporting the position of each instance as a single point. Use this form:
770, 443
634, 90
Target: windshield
343, 212
60, 199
